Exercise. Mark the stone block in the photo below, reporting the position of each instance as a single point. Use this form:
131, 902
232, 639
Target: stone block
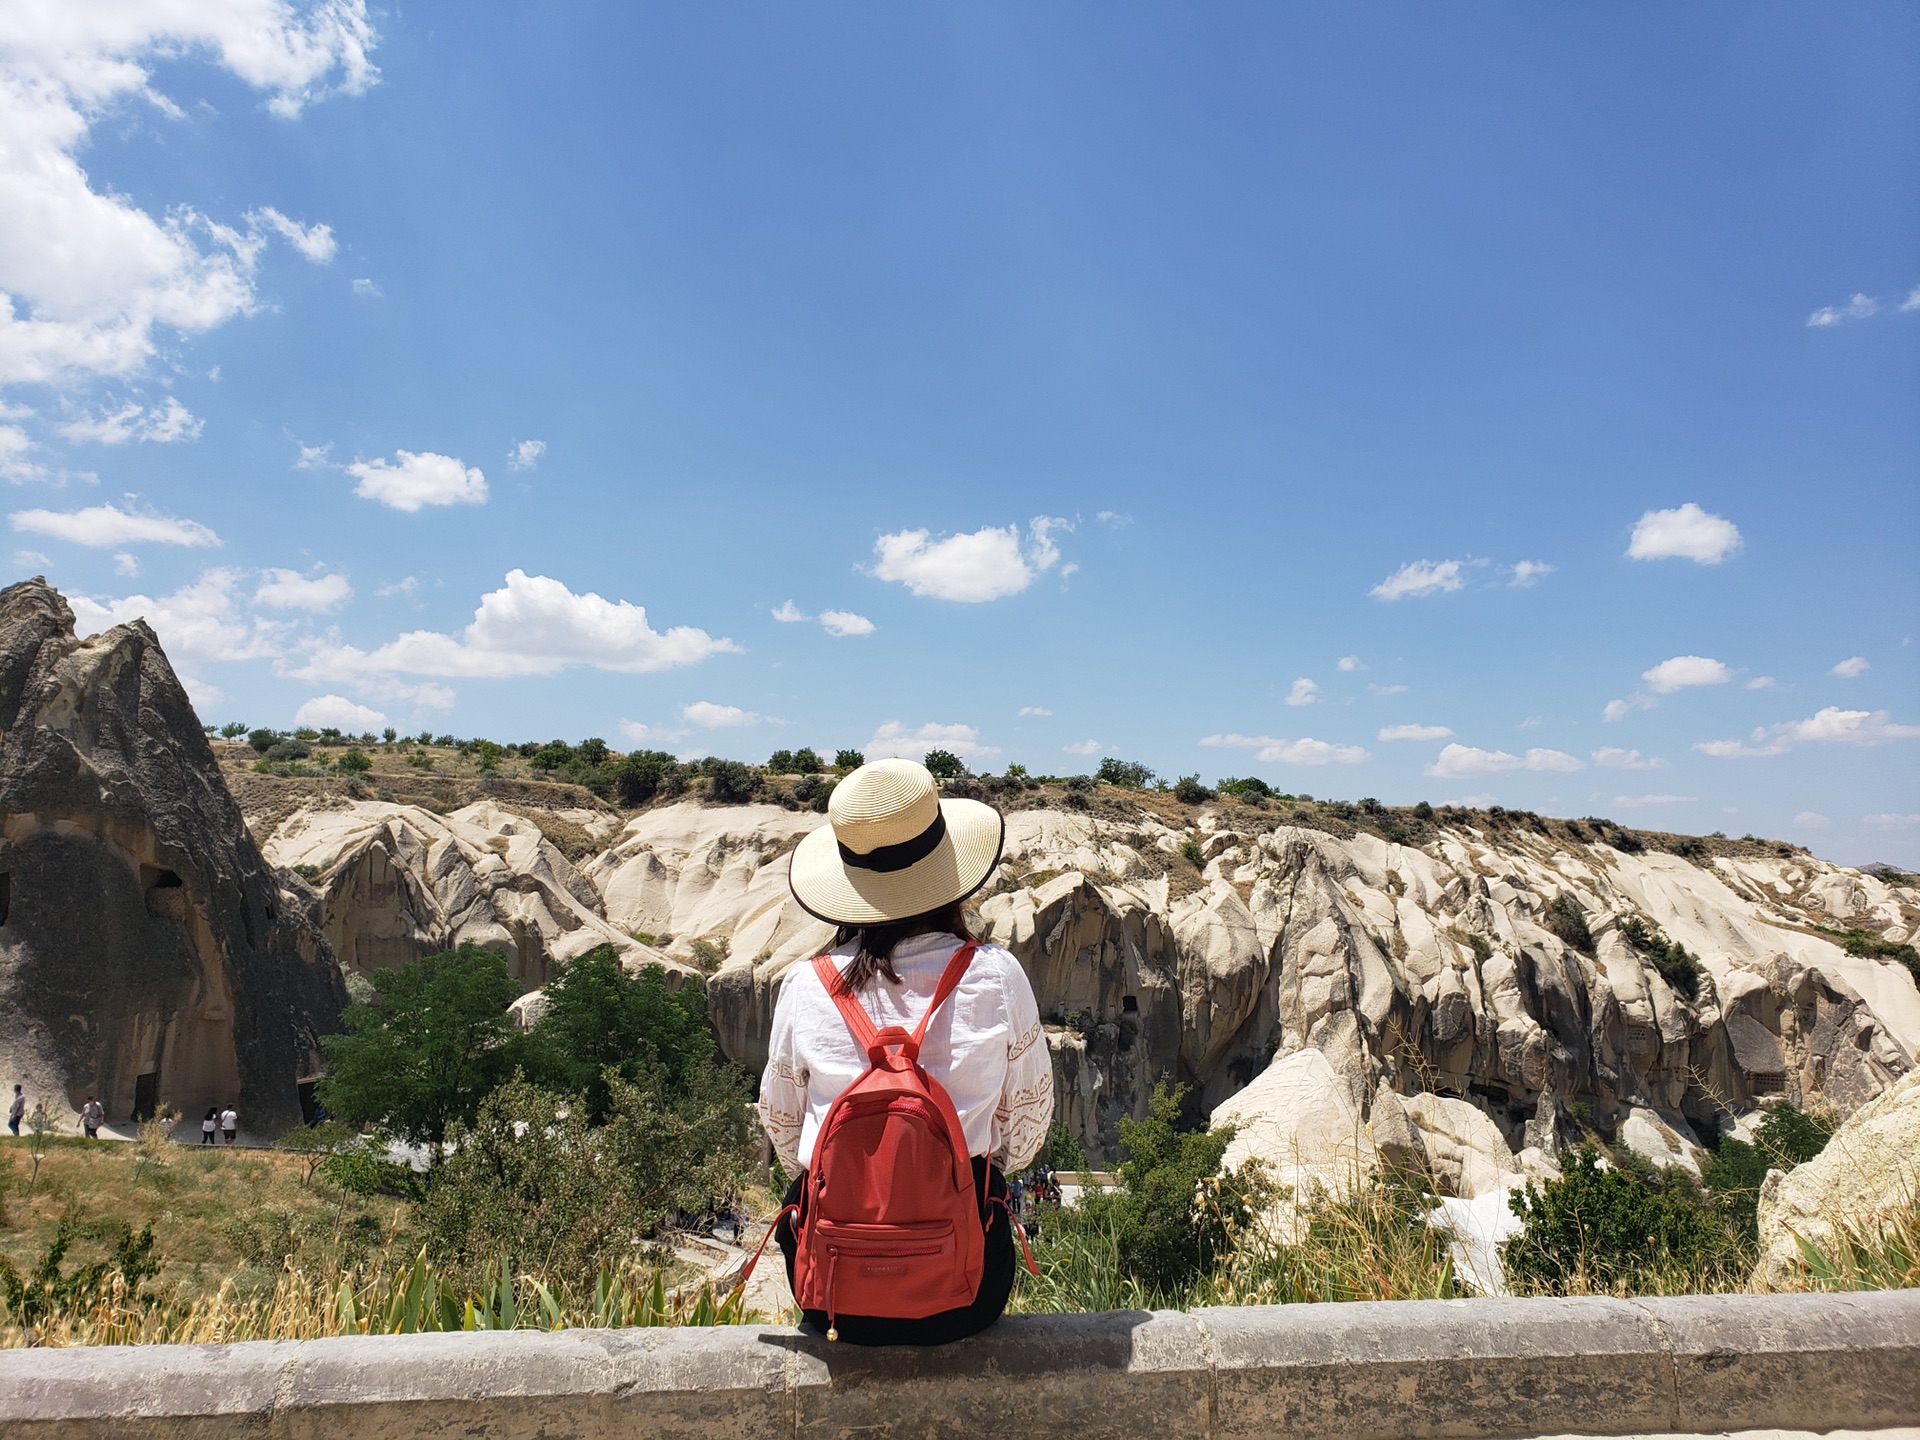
142, 1392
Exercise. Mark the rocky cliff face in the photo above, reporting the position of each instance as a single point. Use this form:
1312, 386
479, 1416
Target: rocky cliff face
1412, 968
148, 954
397, 882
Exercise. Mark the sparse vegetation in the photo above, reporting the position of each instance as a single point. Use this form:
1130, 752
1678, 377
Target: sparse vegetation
1568, 922
1679, 967
1189, 791
1127, 774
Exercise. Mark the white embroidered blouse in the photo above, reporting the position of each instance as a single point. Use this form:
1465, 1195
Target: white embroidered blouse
985, 1046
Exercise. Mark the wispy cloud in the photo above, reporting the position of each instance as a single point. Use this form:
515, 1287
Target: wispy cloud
411, 481
1858, 307
1421, 577
1851, 667
1303, 692
1040, 710
1415, 732
526, 454
340, 713
1084, 747
290, 590
105, 526
1458, 762
1637, 802
709, 716
1832, 726
1350, 663
1686, 533
165, 424
895, 741
1612, 757
1527, 573
1276, 750
843, 623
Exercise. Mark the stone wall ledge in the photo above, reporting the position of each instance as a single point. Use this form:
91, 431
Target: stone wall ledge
1708, 1364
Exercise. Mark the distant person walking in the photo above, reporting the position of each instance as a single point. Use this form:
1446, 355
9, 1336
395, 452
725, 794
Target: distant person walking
92, 1115
17, 1109
230, 1123
209, 1123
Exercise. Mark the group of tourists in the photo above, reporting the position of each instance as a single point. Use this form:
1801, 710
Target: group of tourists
92, 1114
226, 1122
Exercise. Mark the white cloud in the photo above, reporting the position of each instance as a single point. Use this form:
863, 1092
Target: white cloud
1810, 820
1387, 689
1636, 802
894, 741
105, 526
985, 564
315, 242
844, 622
638, 734
1763, 682
709, 716
1532, 722
86, 275
1113, 519
339, 713
1683, 672
408, 585
414, 480
1612, 757
163, 424
1858, 307
1459, 761
15, 444
1421, 577
367, 289
526, 455
1084, 747
790, 614
1829, 726
314, 457
1415, 732
532, 625
1304, 692
1688, 533
290, 590
199, 621
1885, 821
126, 564
1040, 710
1851, 667
1529, 572
1350, 663
1618, 710
1305, 751
1912, 302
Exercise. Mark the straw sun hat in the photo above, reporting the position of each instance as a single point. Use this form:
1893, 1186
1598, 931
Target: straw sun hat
894, 849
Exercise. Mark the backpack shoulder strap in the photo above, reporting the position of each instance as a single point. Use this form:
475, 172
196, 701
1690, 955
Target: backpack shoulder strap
849, 1006
949, 981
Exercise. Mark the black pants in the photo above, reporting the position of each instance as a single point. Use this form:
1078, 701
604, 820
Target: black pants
996, 1278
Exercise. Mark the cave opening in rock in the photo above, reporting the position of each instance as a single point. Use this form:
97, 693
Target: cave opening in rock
6, 895
1129, 1005
158, 877
146, 1095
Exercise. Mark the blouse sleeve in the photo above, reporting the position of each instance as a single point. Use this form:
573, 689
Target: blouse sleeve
783, 1087
1026, 1096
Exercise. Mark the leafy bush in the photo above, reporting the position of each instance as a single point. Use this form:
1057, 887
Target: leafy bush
263, 740
643, 774
1608, 1228
1128, 774
1423, 811
1676, 965
1870, 946
814, 790
781, 763
804, 761
353, 761
1062, 1151
1565, 919
1165, 1234
550, 756
1735, 1171
1189, 791
1080, 784
1191, 852
845, 760
46, 1294
428, 1048
288, 749
532, 1180
1245, 786
729, 782
944, 764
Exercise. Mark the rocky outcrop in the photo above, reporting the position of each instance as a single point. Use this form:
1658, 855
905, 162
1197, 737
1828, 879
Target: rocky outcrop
397, 882
148, 954
1870, 1169
1434, 967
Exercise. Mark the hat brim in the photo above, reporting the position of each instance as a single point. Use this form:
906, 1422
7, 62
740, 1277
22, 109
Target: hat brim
832, 890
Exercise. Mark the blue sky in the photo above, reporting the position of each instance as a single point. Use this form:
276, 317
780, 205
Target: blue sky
1237, 389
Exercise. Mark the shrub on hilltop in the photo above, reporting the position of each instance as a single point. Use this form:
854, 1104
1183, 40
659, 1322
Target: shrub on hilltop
1127, 774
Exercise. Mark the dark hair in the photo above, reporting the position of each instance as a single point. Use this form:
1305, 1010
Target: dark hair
876, 942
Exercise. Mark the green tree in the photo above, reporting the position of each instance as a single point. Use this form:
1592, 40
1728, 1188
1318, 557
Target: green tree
353, 761
1128, 774
642, 774
428, 1049
944, 764
233, 730
593, 750
602, 1024
781, 763
807, 761
729, 782
845, 760
263, 739
1735, 1171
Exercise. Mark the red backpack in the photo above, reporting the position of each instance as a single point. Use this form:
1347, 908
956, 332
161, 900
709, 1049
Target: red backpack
892, 1225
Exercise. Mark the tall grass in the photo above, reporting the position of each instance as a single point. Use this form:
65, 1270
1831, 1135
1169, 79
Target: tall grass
1872, 1254
386, 1299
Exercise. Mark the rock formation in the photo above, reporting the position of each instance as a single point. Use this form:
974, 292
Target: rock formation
1433, 967
148, 954
1870, 1169
397, 882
